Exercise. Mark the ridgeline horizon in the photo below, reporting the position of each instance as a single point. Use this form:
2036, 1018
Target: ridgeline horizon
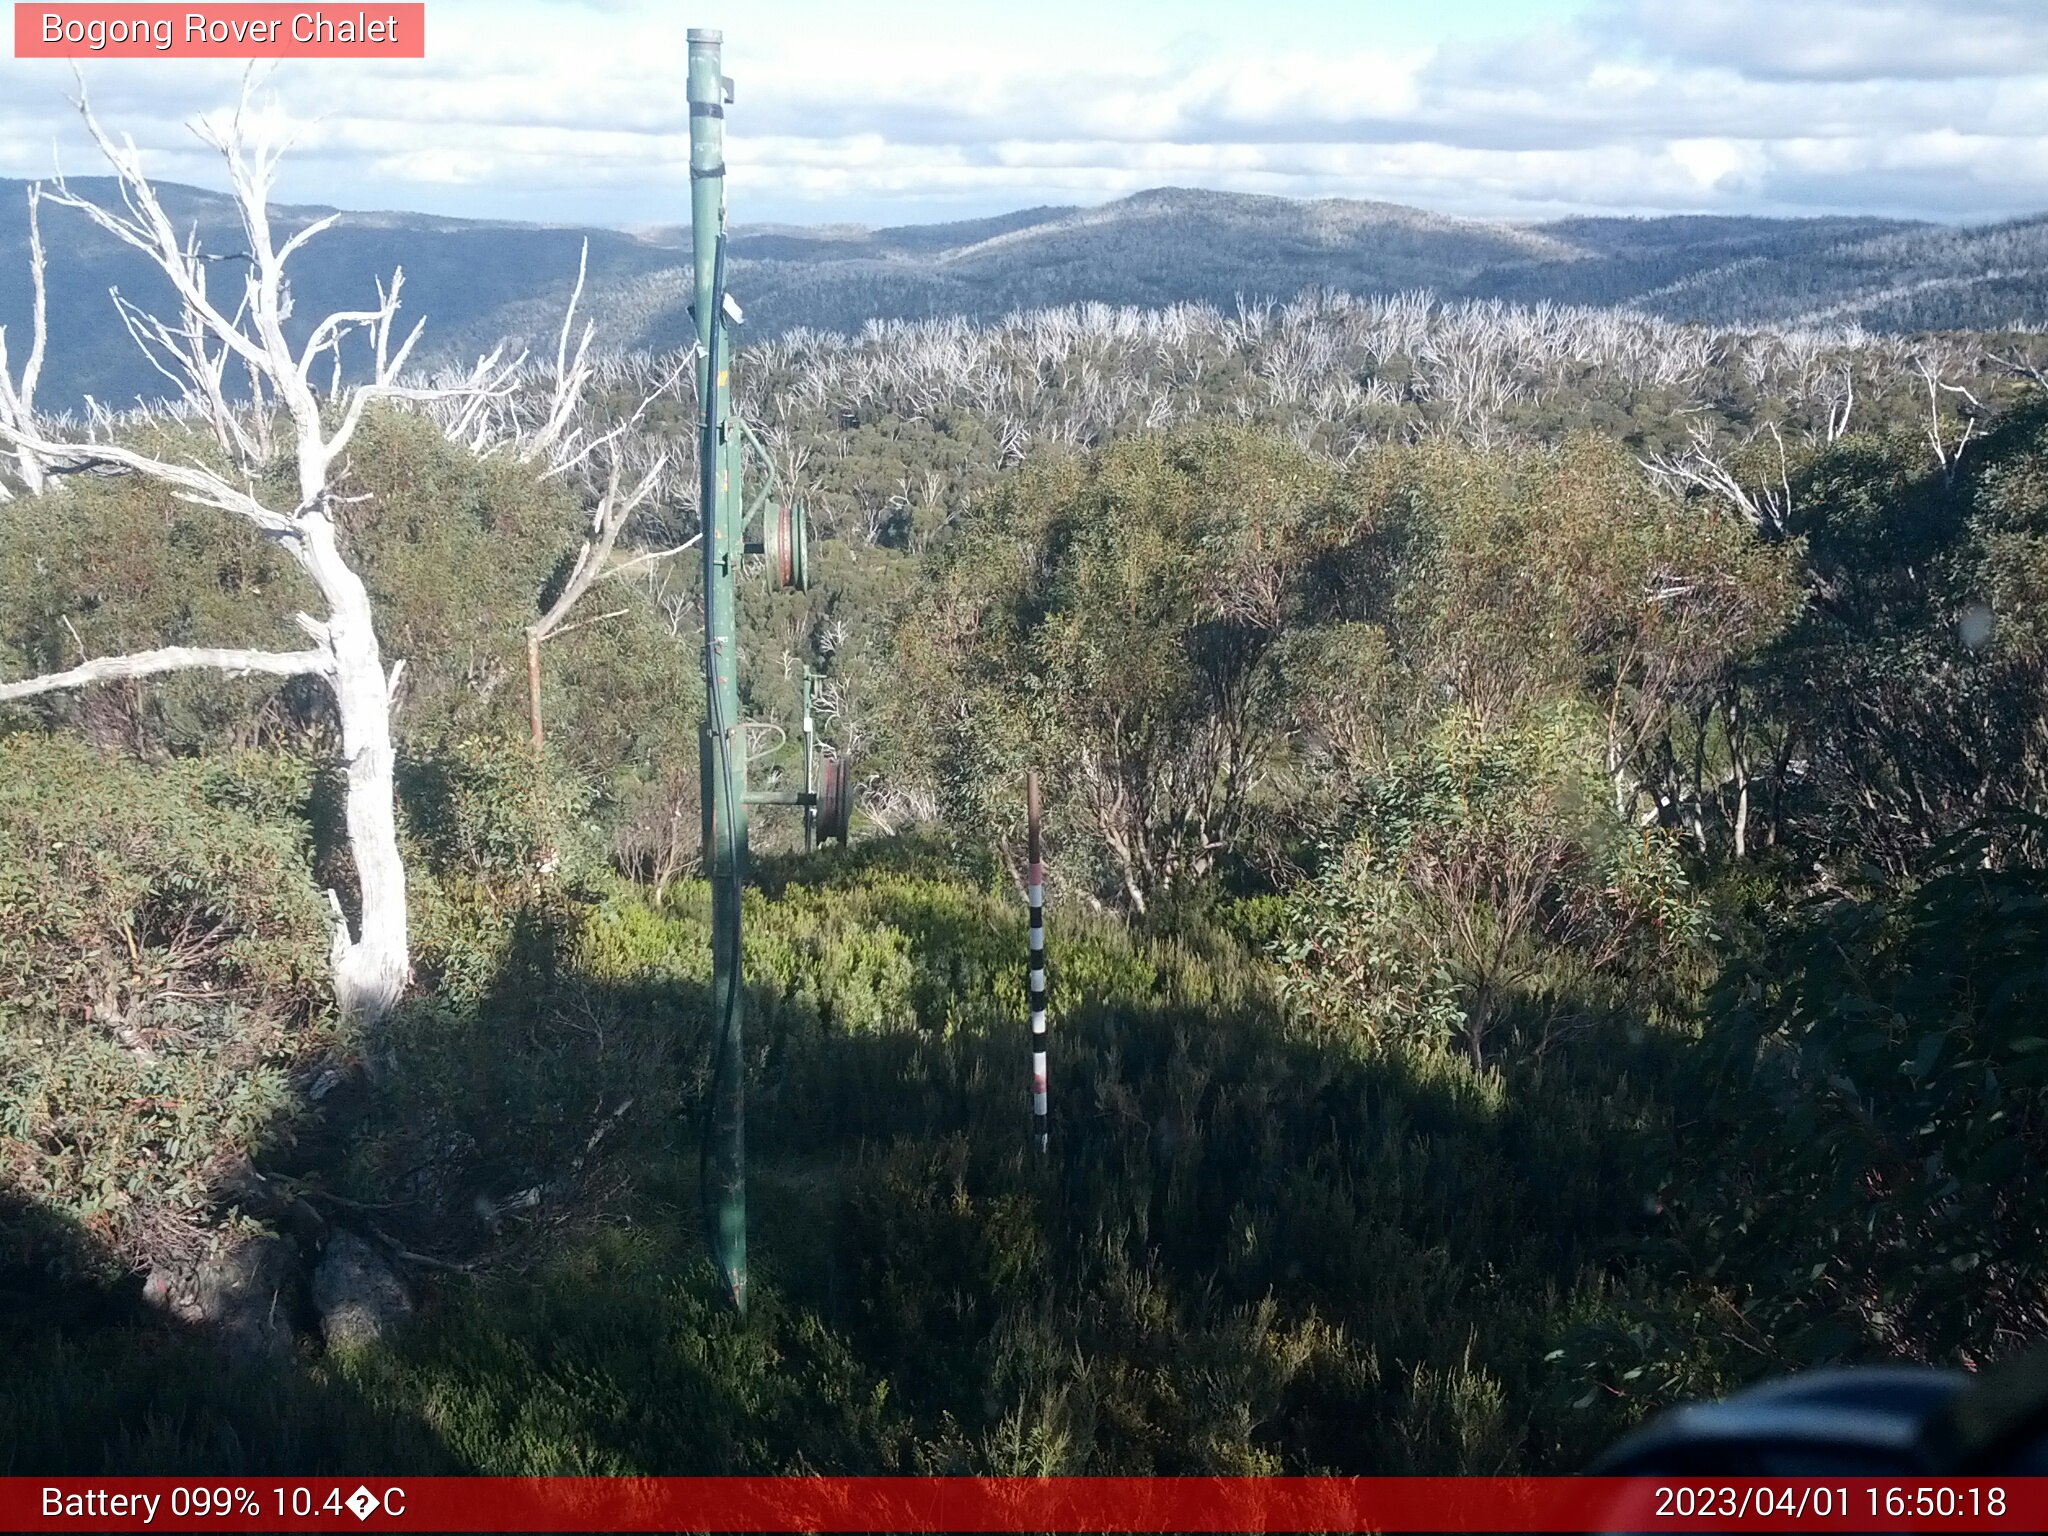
480, 280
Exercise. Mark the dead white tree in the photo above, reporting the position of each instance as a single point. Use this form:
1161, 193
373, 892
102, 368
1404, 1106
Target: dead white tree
1700, 467
1932, 363
565, 449
594, 563
18, 401
1835, 391
370, 965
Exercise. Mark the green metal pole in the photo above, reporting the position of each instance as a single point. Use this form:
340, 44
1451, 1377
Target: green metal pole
722, 756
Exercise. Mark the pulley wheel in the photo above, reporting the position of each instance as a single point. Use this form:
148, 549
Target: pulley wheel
785, 539
835, 799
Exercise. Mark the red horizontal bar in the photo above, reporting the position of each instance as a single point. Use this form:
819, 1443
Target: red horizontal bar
997, 1504
378, 29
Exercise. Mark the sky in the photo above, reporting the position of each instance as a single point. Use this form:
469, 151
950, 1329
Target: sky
897, 111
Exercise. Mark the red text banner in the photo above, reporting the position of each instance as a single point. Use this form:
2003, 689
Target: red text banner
876, 1504
220, 31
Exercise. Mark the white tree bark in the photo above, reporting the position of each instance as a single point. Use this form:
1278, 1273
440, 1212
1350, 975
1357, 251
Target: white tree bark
172, 658
371, 965
593, 564
564, 449
18, 402
370, 973
1700, 467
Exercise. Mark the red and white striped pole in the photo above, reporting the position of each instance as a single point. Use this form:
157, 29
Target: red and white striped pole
1034, 891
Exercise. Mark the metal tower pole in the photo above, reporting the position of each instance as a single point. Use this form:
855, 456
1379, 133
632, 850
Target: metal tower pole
721, 753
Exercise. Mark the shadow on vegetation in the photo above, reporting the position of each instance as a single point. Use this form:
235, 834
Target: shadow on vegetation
98, 1384
1250, 1249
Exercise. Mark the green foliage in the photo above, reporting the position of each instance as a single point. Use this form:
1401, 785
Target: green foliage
1913, 687
109, 566
609, 1361
457, 553
131, 1397
482, 808
1519, 575
1852, 1184
1209, 642
1897, 1095
1253, 1249
161, 948
1485, 881
1403, 1130
1120, 623
623, 1358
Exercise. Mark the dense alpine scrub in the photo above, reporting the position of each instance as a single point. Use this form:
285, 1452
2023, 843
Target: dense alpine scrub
1535, 936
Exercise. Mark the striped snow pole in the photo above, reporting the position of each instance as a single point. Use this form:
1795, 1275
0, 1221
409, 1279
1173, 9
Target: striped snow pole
1035, 979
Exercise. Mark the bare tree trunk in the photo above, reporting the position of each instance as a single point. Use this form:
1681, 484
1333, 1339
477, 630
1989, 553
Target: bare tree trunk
370, 965
1738, 759
371, 971
18, 404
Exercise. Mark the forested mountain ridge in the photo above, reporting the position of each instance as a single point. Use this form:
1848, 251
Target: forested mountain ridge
481, 280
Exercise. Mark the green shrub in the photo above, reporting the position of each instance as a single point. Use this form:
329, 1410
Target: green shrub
162, 966
1484, 886
495, 843
1869, 1180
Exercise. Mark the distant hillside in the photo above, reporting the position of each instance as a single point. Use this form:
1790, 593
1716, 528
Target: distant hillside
477, 281
461, 274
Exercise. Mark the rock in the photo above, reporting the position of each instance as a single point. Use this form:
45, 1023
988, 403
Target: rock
308, 1226
248, 1190
242, 1293
358, 1297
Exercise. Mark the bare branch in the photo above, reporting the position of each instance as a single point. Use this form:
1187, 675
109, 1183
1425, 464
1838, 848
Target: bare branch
32, 371
1931, 363
195, 482
146, 228
638, 562
1700, 467
595, 618
371, 966
172, 658
608, 521
570, 379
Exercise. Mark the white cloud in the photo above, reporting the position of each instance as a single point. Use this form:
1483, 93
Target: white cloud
1849, 39
1938, 107
1714, 162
